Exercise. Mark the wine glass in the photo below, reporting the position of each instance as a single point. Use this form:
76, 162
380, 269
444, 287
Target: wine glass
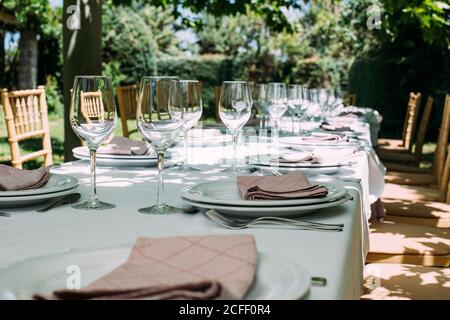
93, 118
277, 103
159, 117
191, 103
293, 101
235, 107
260, 102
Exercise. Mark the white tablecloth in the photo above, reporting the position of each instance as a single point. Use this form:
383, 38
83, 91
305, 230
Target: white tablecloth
337, 256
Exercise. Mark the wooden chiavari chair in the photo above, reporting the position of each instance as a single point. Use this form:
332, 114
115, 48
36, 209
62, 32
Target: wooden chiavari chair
127, 99
26, 117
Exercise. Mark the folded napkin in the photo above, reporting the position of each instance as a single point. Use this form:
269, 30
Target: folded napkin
327, 155
299, 157
192, 267
12, 179
124, 147
323, 137
338, 127
352, 113
294, 185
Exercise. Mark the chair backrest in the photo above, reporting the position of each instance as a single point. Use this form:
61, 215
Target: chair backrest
421, 134
349, 99
217, 100
412, 113
92, 105
127, 99
441, 148
26, 117
445, 181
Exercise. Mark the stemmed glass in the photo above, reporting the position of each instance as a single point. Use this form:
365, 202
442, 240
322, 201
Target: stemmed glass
191, 103
93, 118
260, 102
235, 107
294, 101
277, 103
159, 117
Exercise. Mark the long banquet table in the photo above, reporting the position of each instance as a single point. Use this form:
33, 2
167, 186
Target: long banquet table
337, 256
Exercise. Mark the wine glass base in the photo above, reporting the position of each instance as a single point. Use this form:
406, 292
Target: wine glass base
183, 168
238, 169
93, 205
160, 210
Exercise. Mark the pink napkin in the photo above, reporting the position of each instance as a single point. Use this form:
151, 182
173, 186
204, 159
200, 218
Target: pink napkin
294, 185
323, 137
12, 179
124, 146
338, 127
351, 113
299, 157
191, 267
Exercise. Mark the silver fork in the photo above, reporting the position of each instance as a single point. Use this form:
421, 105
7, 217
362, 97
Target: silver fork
303, 225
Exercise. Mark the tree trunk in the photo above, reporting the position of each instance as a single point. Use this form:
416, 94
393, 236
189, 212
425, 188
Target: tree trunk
2, 58
28, 57
82, 54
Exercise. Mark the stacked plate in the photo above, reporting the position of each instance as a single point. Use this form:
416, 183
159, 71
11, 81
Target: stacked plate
275, 278
307, 141
57, 186
112, 160
325, 167
223, 196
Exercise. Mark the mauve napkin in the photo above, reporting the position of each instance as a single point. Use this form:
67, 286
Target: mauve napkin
337, 127
294, 185
12, 179
191, 267
351, 113
323, 137
299, 157
124, 147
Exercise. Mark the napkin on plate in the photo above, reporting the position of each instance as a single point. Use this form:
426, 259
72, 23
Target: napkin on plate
298, 157
337, 127
351, 113
191, 267
12, 179
323, 137
329, 155
124, 147
294, 185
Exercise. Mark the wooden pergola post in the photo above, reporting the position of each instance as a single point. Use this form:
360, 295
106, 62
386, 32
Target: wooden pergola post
82, 54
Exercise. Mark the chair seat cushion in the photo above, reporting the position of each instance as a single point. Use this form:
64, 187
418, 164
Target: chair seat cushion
410, 178
396, 156
401, 167
435, 214
385, 281
392, 242
393, 144
414, 193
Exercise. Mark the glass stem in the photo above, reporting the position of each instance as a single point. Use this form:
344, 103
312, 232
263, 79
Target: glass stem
184, 162
160, 194
235, 135
293, 123
93, 195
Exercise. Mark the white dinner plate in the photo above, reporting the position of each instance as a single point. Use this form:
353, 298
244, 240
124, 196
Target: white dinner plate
297, 141
276, 277
110, 160
266, 160
226, 192
30, 200
311, 171
56, 183
255, 212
